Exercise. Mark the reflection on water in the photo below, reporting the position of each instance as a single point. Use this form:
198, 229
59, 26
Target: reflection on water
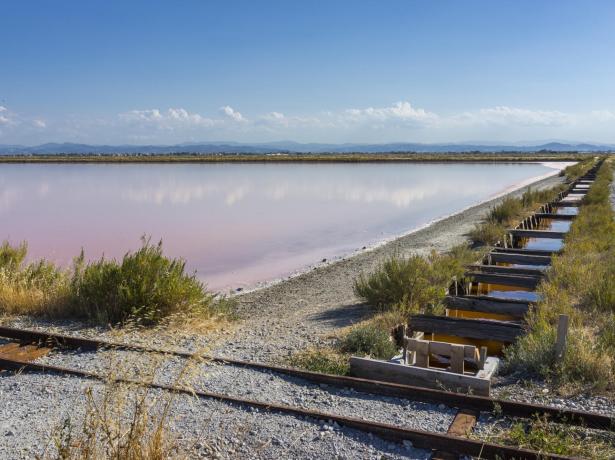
237, 224
515, 295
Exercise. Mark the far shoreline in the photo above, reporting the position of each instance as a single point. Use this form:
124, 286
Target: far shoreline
351, 157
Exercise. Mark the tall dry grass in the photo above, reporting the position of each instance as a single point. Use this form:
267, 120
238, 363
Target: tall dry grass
125, 419
581, 284
145, 287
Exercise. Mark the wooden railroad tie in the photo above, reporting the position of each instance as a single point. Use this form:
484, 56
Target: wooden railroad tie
22, 352
461, 426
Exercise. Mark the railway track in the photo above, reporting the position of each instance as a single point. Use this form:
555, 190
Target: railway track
34, 344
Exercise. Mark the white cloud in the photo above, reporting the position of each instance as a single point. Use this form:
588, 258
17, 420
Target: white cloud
400, 111
400, 121
173, 118
602, 115
504, 115
142, 115
232, 113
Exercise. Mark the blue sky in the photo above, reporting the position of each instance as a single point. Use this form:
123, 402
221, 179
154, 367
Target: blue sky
328, 71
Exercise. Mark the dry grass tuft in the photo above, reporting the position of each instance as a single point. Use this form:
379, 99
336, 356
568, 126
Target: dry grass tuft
145, 287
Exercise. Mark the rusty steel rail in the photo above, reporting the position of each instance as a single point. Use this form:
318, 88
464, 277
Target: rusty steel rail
451, 399
419, 438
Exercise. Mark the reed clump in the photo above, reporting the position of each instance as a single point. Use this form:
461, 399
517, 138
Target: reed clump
144, 287
580, 284
123, 418
413, 284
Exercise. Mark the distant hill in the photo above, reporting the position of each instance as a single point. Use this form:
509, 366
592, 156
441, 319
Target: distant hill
293, 147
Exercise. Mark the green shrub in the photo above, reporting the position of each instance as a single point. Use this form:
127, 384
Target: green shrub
324, 360
368, 340
542, 435
506, 211
487, 233
144, 285
12, 257
413, 283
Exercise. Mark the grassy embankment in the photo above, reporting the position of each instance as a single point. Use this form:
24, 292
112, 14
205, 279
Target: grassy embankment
402, 286
297, 157
581, 284
144, 288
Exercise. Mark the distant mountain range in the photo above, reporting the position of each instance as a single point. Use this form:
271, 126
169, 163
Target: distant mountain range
293, 147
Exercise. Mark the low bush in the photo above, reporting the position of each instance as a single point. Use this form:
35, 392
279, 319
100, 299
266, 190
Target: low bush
412, 284
145, 284
487, 233
368, 340
144, 287
324, 360
543, 435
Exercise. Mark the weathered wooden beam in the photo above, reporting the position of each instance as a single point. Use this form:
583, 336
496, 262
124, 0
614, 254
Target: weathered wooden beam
384, 371
479, 329
566, 204
536, 233
529, 252
521, 259
485, 304
507, 270
525, 281
548, 215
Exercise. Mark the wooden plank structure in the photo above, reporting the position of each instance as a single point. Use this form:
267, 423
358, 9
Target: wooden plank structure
507, 270
566, 203
550, 215
529, 252
507, 267
523, 281
478, 384
521, 233
515, 258
479, 329
484, 304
